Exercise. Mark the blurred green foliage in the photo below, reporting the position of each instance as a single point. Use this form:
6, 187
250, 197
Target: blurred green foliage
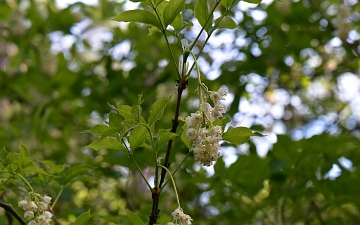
61, 68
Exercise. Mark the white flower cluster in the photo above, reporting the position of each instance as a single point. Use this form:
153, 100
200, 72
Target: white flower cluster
36, 210
180, 218
205, 136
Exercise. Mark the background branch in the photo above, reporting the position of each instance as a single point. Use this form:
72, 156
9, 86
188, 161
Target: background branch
8, 208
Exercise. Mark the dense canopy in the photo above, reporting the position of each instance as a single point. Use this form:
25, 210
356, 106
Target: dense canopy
292, 69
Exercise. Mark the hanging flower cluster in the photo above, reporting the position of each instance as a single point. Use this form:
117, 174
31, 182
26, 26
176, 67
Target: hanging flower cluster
200, 130
180, 218
36, 210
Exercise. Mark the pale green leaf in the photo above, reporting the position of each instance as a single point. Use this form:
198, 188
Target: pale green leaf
226, 3
125, 112
202, 13
222, 122
226, 22
161, 8
186, 140
138, 15
157, 110
165, 136
176, 24
106, 143
229, 3
135, 218
138, 136
173, 10
111, 132
184, 25
3, 155
51, 167
153, 30
253, 1
157, 2
72, 173
237, 135
83, 219
24, 152
136, 112
98, 129
115, 120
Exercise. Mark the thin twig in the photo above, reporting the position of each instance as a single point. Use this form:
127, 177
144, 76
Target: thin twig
8, 208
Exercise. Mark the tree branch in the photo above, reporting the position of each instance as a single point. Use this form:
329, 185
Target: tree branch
175, 122
8, 208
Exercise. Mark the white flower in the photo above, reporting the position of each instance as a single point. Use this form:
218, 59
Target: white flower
170, 223
43, 205
194, 121
223, 92
179, 215
32, 222
45, 216
207, 110
185, 219
23, 204
47, 199
191, 133
29, 214
31, 206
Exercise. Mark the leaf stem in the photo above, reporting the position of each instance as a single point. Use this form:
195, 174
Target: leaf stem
27, 183
163, 30
57, 197
208, 37
137, 165
202, 29
172, 179
177, 168
156, 180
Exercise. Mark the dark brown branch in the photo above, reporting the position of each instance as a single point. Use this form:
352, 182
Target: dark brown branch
8, 208
175, 122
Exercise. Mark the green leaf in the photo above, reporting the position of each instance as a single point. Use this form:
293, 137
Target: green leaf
222, 122
72, 173
136, 112
115, 120
202, 13
135, 218
253, 1
228, 4
153, 30
176, 24
157, 110
106, 143
173, 9
165, 136
4, 155
237, 135
83, 219
186, 140
110, 131
184, 25
226, 22
249, 173
98, 129
52, 168
24, 152
30, 166
138, 136
125, 112
157, 2
138, 15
